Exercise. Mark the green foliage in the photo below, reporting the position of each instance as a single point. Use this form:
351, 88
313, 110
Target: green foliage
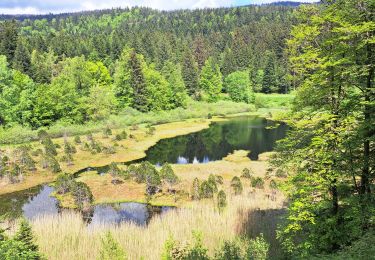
212, 181
21, 246
206, 190
232, 250
221, 200
167, 174
25, 235
82, 195
239, 88
236, 185
273, 185
327, 153
246, 173
111, 250
257, 182
210, 82
173, 75
64, 183
195, 189
258, 248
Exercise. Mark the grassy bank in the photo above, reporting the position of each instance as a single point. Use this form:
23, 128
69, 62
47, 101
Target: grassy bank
232, 165
125, 150
129, 117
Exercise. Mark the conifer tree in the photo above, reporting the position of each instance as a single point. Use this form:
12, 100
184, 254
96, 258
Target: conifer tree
111, 250
25, 235
210, 82
190, 74
138, 83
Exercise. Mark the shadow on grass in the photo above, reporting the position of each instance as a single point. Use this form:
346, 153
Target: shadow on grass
254, 222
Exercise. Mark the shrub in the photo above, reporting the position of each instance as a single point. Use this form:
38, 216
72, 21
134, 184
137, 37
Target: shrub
21, 246
111, 249
64, 183
206, 190
257, 182
195, 190
114, 170
231, 250
246, 173
281, 174
82, 195
258, 248
221, 200
212, 181
236, 185
219, 179
273, 184
168, 175
107, 131
77, 139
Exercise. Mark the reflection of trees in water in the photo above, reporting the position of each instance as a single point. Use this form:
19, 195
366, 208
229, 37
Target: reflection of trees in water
219, 140
11, 204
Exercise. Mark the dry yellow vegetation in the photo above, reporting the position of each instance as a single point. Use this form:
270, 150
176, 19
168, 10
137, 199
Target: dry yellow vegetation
66, 236
105, 192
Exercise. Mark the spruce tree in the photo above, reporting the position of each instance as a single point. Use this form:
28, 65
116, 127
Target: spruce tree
111, 249
25, 235
190, 74
138, 83
22, 57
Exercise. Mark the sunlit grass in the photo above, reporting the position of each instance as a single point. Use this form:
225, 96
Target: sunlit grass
67, 237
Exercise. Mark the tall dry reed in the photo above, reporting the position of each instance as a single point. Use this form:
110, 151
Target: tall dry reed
67, 237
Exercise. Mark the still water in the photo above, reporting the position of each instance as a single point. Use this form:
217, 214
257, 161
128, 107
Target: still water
255, 134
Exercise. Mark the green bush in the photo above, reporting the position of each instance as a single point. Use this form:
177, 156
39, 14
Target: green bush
236, 185
206, 190
246, 173
111, 249
257, 182
221, 200
258, 249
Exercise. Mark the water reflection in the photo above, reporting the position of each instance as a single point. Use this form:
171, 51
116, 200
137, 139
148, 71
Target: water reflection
38, 202
241, 133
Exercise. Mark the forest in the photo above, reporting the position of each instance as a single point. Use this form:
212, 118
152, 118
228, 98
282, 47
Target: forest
257, 121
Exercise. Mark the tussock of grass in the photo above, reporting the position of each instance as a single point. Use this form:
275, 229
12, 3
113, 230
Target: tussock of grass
67, 237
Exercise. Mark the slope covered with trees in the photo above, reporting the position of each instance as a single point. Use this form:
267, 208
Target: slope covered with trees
85, 66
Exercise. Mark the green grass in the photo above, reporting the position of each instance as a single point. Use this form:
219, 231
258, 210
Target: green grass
274, 101
128, 117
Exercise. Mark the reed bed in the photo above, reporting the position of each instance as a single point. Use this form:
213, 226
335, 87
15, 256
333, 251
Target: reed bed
67, 237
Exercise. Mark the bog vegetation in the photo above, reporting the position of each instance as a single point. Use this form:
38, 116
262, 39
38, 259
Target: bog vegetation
101, 72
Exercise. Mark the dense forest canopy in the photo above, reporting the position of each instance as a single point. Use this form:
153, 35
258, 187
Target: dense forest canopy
53, 68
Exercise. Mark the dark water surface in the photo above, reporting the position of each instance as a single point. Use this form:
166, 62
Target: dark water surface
240, 133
